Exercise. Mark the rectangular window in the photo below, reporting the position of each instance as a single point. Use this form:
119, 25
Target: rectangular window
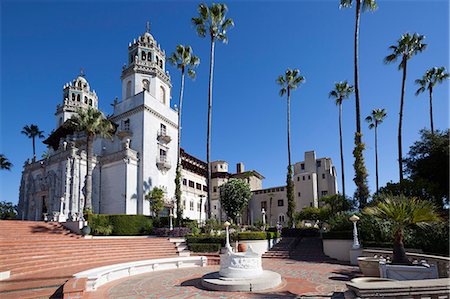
184, 204
126, 124
298, 179
205, 188
280, 202
184, 182
163, 129
310, 204
302, 166
198, 186
191, 205
318, 163
323, 175
215, 207
303, 177
299, 194
263, 205
309, 177
324, 193
199, 207
191, 184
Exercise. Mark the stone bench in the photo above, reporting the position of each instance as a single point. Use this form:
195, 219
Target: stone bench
429, 288
99, 276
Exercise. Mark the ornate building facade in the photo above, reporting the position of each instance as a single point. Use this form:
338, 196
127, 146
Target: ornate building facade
141, 155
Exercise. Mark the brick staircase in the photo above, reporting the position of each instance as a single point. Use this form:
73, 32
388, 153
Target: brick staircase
282, 249
42, 256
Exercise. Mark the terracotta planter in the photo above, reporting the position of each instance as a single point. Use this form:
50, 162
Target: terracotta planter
242, 247
369, 266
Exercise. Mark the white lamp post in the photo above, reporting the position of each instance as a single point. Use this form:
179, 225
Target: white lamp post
227, 240
170, 219
263, 213
355, 219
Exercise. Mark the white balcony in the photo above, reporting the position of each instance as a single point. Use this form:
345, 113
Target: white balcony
163, 137
163, 163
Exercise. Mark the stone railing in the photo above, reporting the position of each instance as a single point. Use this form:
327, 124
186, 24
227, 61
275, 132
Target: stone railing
442, 263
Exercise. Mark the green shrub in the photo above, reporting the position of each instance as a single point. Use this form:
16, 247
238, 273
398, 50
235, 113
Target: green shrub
204, 247
120, 225
300, 232
252, 236
339, 235
206, 239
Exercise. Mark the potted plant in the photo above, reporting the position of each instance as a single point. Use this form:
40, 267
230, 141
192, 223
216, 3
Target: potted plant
403, 212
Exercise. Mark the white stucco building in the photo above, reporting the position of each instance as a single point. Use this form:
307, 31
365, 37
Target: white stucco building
142, 155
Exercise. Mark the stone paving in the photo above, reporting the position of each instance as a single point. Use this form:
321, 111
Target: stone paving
301, 279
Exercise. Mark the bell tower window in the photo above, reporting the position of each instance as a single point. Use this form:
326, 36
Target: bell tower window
149, 56
145, 85
73, 97
85, 100
128, 89
78, 98
144, 57
162, 96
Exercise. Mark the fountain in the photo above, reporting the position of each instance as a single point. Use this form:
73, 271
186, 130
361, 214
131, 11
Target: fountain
240, 271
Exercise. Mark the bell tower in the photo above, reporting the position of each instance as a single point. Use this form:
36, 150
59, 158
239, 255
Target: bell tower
76, 94
145, 70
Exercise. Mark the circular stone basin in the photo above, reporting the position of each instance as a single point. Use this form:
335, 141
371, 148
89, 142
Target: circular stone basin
370, 279
266, 280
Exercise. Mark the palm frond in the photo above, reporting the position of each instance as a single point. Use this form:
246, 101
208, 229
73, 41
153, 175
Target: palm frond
346, 3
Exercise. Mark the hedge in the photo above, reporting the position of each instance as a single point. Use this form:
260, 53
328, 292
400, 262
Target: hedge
300, 232
252, 236
120, 225
205, 239
204, 247
175, 232
339, 235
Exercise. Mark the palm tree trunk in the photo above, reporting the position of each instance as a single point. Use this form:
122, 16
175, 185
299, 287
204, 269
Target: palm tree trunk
341, 147
208, 142
400, 160
376, 156
179, 212
431, 110
289, 125
34, 148
399, 255
89, 156
358, 113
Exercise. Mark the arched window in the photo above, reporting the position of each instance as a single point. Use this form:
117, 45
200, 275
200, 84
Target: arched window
73, 97
146, 85
79, 84
85, 100
128, 89
162, 95
78, 98
149, 56
143, 56
160, 63
157, 60
90, 102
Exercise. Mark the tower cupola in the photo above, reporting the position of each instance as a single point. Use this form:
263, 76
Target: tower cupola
76, 94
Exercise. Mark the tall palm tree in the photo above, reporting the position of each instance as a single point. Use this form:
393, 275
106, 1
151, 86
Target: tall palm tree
93, 123
404, 212
4, 163
360, 179
32, 131
341, 91
374, 120
407, 46
290, 81
212, 21
429, 80
184, 59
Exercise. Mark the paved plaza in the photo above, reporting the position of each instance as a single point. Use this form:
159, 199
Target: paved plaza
301, 279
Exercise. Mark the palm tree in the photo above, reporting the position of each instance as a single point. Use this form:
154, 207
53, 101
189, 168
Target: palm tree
184, 59
374, 120
4, 163
93, 123
429, 80
342, 91
403, 212
290, 81
407, 46
211, 21
32, 131
360, 179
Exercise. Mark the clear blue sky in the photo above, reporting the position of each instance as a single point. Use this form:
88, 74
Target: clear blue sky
44, 44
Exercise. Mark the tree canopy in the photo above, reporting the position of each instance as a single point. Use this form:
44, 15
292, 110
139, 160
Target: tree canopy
234, 196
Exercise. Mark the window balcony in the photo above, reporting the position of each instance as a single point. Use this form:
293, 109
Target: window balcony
163, 163
163, 137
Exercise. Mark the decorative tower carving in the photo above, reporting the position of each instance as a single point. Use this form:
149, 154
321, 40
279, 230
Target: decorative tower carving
76, 94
